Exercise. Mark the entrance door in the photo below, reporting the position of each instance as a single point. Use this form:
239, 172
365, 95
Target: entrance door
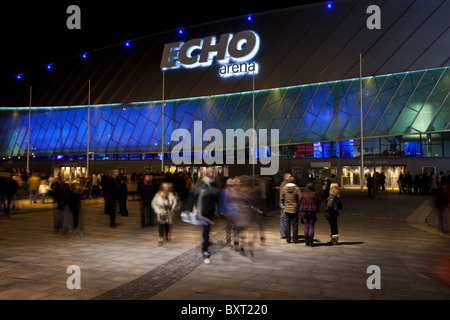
71, 173
351, 176
391, 173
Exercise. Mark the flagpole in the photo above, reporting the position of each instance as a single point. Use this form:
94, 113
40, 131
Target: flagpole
29, 132
88, 125
362, 120
162, 127
253, 131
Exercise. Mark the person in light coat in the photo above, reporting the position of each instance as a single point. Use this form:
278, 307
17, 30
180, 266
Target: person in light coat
164, 203
290, 198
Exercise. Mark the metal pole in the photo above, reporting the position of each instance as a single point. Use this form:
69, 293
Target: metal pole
362, 118
88, 125
253, 131
29, 132
162, 127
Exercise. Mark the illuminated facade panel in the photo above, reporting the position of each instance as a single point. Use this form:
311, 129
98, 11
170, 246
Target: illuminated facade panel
394, 105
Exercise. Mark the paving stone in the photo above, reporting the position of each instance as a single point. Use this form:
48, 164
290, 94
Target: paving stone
127, 263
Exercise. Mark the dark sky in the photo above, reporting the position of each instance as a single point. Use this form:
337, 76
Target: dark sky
34, 33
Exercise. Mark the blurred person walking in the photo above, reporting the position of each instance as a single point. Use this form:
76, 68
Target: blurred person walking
443, 205
290, 198
309, 204
164, 203
61, 194
228, 207
250, 216
205, 197
33, 186
334, 204
75, 207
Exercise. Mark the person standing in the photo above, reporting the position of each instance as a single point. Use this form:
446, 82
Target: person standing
290, 198
111, 193
123, 196
309, 203
370, 185
3, 192
205, 197
61, 193
164, 204
11, 189
334, 204
282, 215
95, 192
33, 186
147, 190
43, 189
75, 207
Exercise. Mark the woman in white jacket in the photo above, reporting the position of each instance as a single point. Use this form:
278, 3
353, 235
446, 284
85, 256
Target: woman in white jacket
164, 203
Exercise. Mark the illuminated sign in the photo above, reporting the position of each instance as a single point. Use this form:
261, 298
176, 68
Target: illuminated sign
233, 52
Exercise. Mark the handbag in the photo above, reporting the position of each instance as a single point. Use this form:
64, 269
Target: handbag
163, 216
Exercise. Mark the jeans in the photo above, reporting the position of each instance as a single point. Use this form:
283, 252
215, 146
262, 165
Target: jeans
61, 219
309, 218
205, 240
147, 217
333, 222
282, 222
163, 230
33, 195
291, 218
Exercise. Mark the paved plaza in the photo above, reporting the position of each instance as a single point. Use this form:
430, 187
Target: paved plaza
397, 233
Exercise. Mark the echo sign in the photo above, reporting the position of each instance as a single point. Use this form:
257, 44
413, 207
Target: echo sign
232, 52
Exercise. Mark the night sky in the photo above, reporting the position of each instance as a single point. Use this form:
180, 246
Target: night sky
35, 34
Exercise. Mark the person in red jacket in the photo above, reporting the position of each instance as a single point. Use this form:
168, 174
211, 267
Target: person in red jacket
308, 207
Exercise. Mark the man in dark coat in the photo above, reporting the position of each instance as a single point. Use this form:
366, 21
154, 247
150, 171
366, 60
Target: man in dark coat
61, 194
205, 196
147, 190
111, 193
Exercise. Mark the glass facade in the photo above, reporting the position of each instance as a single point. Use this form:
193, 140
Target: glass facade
405, 114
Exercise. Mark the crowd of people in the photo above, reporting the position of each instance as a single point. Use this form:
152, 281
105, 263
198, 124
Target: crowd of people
425, 183
242, 201
303, 206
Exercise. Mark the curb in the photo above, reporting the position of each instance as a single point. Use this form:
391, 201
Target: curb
418, 217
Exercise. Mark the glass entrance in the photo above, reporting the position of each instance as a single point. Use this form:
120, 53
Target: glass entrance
71, 173
351, 176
